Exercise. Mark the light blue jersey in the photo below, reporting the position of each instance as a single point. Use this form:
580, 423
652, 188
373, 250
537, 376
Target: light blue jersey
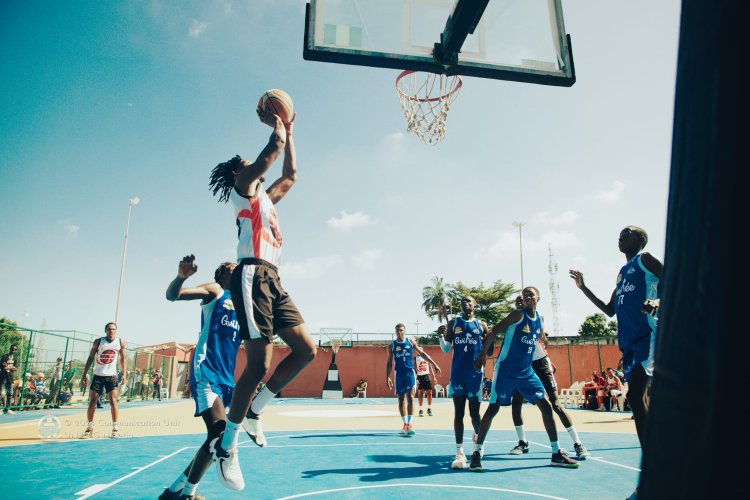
635, 285
216, 350
518, 346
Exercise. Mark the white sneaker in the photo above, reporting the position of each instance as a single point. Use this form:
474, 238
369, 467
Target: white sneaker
459, 462
227, 465
115, 433
88, 433
254, 429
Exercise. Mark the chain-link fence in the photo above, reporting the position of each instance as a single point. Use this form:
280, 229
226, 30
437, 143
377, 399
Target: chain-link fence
49, 366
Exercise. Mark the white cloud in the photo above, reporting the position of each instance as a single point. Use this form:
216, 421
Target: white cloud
72, 229
366, 258
196, 29
313, 267
613, 194
349, 221
567, 217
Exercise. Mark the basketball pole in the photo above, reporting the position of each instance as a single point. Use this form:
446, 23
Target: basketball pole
131, 203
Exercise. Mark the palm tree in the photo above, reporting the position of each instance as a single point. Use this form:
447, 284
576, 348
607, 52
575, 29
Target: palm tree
435, 299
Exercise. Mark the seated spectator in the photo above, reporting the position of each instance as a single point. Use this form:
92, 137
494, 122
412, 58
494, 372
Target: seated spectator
41, 389
614, 387
361, 389
29, 392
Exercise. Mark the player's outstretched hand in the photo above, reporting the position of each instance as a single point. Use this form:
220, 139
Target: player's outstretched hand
268, 118
187, 267
442, 329
290, 125
577, 276
438, 370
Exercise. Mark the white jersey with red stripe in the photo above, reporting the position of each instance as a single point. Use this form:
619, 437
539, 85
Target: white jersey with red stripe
106, 357
258, 227
422, 366
539, 351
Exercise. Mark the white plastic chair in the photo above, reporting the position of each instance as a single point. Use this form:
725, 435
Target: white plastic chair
571, 396
164, 393
439, 391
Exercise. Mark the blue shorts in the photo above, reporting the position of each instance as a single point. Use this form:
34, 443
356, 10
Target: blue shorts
640, 352
503, 387
204, 394
405, 381
471, 388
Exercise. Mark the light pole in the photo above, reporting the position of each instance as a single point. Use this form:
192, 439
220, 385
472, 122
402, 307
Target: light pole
131, 203
417, 323
519, 225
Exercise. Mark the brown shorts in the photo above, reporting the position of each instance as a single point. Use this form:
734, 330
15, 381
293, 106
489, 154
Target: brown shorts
262, 305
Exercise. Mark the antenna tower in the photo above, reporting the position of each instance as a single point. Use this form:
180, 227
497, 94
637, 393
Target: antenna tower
554, 289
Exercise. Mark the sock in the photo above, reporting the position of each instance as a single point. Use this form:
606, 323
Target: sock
114, 426
405, 419
460, 449
179, 483
573, 434
521, 433
408, 418
478, 447
555, 447
189, 489
90, 425
231, 434
261, 400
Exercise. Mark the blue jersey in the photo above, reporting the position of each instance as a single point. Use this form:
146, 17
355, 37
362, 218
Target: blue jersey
635, 284
403, 358
216, 350
518, 346
467, 344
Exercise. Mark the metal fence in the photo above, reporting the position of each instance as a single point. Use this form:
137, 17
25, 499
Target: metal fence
50, 365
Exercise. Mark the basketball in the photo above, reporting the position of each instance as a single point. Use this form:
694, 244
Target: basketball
277, 102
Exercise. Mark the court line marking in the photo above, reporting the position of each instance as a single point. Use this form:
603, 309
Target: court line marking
595, 458
98, 488
421, 485
370, 445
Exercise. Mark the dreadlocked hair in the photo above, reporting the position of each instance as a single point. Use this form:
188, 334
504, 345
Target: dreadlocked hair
222, 178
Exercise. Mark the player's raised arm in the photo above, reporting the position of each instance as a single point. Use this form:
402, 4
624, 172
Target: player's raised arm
185, 269
283, 184
248, 173
608, 309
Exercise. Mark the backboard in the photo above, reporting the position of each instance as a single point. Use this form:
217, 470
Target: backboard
517, 40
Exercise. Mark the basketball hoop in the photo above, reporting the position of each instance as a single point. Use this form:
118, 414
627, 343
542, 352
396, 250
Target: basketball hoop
426, 101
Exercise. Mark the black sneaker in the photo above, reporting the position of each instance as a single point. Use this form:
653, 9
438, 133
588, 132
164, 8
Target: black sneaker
561, 459
581, 451
521, 448
421, 413
476, 462
194, 496
168, 494
429, 412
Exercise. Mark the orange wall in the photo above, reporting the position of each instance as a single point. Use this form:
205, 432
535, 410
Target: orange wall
369, 361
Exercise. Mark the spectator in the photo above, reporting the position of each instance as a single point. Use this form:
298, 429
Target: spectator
54, 386
361, 389
29, 392
486, 389
139, 382
7, 375
41, 390
157, 384
614, 387
68, 376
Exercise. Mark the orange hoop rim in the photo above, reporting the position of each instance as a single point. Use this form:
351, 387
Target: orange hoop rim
431, 99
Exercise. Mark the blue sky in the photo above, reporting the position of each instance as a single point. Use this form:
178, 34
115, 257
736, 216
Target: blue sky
105, 101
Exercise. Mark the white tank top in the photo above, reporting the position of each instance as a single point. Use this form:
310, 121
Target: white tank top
258, 226
539, 351
423, 367
107, 357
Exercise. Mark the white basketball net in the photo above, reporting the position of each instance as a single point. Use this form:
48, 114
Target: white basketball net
426, 99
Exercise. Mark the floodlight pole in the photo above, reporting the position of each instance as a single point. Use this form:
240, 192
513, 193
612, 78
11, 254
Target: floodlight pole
520, 225
131, 203
416, 324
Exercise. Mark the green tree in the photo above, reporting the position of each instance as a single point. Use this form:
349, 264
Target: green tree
493, 302
436, 299
9, 335
597, 325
